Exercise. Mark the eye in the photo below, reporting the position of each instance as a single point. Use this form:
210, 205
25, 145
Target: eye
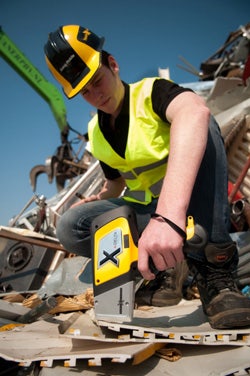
97, 82
84, 92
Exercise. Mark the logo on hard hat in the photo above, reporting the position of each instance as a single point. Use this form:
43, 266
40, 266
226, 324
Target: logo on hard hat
67, 62
86, 34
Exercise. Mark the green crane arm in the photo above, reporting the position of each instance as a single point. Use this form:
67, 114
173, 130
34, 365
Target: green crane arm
19, 62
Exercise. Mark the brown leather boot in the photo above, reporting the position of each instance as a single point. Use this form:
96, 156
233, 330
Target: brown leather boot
224, 305
165, 289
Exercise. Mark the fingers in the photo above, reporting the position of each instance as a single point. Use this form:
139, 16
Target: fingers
90, 198
149, 265
86, 199
144, 268
162, 248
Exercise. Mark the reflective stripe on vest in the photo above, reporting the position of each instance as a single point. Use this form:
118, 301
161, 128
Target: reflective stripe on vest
138, 170
141, 196
154, 188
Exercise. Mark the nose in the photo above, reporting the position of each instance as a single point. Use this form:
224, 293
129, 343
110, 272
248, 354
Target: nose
97, 92
93, 95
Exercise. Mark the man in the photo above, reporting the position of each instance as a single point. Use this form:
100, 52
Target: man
162, 154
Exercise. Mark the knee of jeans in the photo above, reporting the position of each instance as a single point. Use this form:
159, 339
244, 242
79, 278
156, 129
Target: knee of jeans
73, 241
63, 230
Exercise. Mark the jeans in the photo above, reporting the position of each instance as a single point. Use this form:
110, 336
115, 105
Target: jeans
208, 205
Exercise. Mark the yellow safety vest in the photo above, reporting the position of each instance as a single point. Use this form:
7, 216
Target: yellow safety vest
147, 149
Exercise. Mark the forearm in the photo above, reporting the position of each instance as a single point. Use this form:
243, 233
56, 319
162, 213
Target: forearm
188, 138
189, 119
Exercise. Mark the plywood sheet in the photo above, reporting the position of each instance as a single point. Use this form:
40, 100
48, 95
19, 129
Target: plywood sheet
42, 342
195, 361
183, 323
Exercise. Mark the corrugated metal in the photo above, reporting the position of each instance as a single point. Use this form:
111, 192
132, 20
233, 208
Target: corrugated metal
238, 152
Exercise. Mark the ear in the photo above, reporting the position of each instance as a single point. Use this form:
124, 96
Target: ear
113, 64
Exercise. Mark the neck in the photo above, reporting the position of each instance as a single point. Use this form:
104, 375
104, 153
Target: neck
121, 91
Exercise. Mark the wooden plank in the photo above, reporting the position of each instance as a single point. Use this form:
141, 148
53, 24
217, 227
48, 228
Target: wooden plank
31, 237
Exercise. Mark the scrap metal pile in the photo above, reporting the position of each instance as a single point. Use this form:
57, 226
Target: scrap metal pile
47, 308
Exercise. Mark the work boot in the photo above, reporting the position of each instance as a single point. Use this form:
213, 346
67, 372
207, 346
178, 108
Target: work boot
165, 289
224, 305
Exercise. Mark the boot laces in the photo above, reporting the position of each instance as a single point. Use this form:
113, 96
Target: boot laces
220, 279
167, 279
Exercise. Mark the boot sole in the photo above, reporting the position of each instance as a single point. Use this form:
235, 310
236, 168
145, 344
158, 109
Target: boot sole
165, 303
236, 318
157, 302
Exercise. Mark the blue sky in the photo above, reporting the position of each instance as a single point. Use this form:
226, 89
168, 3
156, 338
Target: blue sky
143, 35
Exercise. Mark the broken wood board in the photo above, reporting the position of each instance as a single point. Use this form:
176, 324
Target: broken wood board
11, 311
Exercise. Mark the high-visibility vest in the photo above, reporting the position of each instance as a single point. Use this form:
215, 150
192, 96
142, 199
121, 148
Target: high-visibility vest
147, 149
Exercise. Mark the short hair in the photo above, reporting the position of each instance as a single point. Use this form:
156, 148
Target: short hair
104, 58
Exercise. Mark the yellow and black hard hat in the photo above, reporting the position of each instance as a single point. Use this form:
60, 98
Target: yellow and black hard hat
73, 55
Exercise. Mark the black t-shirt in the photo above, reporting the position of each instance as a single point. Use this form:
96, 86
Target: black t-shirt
163, 93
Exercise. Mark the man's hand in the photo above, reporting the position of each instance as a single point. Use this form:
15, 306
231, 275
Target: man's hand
163, 244
86, 199
111, 188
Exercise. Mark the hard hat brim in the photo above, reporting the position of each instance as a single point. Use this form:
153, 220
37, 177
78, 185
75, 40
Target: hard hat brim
93, 66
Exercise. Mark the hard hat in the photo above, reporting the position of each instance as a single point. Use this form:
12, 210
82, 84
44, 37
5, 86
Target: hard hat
73, 55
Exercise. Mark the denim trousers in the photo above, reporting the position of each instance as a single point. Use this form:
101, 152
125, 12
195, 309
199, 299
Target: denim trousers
208, 204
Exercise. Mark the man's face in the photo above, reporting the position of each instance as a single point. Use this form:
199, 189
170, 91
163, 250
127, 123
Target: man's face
105, 90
